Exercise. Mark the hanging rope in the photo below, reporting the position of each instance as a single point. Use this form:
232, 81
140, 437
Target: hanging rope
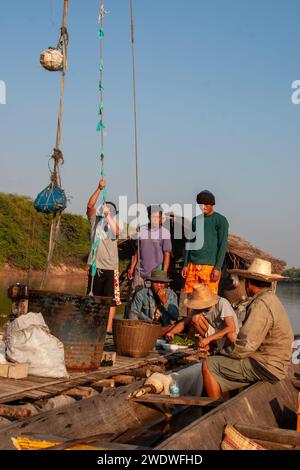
137, 188
101, 126
57, 153
100, 129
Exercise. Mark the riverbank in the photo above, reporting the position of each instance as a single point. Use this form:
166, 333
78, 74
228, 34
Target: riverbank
59, 270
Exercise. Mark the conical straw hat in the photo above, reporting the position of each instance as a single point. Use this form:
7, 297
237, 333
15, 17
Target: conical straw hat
260, 270
201, 298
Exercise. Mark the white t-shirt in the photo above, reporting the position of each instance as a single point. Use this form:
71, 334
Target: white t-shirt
216, 315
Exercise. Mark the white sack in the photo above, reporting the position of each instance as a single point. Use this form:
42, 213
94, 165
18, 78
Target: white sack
29, 340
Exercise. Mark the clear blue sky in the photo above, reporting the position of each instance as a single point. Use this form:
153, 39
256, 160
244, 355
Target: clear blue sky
214, 106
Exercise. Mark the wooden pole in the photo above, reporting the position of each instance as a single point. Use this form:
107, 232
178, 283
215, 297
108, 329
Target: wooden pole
55, 225
267, 433
62, 84
123, 379
15, 411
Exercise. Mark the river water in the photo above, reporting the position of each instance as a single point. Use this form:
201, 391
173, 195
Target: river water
289, 293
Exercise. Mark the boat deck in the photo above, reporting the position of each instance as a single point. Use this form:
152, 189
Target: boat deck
35, 388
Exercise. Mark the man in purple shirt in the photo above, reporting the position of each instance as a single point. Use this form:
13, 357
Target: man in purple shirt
155, 248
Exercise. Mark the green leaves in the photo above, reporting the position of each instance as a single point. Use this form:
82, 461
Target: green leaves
24, 236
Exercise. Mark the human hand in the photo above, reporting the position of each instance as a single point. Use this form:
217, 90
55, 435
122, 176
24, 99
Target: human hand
106, 210
169, 336
162, 295
204, 343
215, 275
184, 272
157, 315
102, 184
130, 274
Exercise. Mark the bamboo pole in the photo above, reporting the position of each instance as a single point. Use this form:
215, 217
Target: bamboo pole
55, 225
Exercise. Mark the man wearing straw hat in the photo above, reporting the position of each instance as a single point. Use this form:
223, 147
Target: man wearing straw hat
157, 302
211, 316
263, 348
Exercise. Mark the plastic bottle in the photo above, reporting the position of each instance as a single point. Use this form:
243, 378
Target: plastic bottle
174, 388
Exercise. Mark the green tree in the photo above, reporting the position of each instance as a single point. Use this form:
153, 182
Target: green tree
24, 236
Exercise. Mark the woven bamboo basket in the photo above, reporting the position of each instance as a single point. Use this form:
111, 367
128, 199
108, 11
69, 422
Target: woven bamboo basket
135, 338
52, 59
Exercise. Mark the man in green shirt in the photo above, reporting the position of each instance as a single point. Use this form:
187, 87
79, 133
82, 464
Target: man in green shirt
203, 266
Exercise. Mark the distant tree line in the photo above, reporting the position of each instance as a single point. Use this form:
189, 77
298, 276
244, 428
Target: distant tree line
293, 274
24, 236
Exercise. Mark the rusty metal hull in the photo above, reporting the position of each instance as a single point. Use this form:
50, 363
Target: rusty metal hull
79, 321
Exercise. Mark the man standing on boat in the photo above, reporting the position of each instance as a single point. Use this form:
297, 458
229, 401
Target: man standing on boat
263, 348
105, 229
204, 265
155, 248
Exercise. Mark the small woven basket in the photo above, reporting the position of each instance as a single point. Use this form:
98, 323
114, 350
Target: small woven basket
135, 338
52, 59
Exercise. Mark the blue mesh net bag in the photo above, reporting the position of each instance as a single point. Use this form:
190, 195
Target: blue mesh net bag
51, 199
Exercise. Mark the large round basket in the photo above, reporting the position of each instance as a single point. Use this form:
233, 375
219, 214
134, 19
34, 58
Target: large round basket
135, 338
52, 59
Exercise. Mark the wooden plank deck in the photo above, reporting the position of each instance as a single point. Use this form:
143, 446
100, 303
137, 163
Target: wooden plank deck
182, 400
34, 388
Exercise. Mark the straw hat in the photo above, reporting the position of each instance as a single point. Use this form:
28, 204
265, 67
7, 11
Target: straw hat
260, 270
201, 298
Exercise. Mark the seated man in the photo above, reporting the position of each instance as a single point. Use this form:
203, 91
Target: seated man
211, 316
157, 302
263, 348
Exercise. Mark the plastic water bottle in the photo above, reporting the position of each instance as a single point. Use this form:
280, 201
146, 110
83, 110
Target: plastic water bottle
174, 388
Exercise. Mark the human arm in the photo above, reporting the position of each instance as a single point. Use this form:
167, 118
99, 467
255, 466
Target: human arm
168, 302
131, 269
167, 256
223, 227
90, 210
178, 328
229, 328
136, 310
166, 248
186, 258
187, 253
253, 332
114, 226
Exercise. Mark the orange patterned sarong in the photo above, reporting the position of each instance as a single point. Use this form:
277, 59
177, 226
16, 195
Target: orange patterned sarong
199, 274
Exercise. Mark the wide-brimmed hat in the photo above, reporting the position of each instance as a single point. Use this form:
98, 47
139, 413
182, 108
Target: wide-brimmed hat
260, 269
158, 276
201, 298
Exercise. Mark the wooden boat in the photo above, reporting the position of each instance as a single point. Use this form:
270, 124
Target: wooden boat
264, 412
